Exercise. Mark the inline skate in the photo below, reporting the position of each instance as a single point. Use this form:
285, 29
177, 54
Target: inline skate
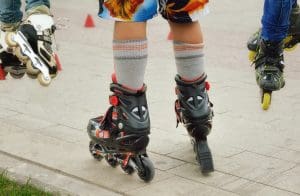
121, 135
32, 44
269, 65
290, 42
194, 110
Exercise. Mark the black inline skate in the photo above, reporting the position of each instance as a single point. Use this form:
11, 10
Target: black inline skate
269, 65
121, 135
290, 42
194, 110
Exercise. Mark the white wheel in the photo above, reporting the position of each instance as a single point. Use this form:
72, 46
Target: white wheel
9, 41
22, 57
30, 69
43, 81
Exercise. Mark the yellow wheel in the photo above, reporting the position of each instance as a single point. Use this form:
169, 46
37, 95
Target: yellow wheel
251, 55
286, 41
32, 76
266, 101
43, 81
30, 69
9, 41
291, 49
22, 57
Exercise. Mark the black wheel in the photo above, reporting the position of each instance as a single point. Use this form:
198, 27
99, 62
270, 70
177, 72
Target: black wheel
32, 76
146, 173
111, 160
204, 157
17, 76
94, 150
128, 169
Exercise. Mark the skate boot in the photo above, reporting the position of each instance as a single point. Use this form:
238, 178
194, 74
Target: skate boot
269, 65
194, 110
290, 42
121, 135
33, 44
9, 62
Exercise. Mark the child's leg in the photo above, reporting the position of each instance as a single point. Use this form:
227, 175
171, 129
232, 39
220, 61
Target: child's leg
188, 48
130, 53
10, 14
275, 19
126, 122
193, 107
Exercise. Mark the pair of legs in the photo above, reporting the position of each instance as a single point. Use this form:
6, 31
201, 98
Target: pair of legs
27, 47
184, 33
122, 134
280, 29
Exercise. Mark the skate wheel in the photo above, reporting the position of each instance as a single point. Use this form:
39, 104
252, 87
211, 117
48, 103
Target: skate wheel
290, 49
252, 55
42, 80
111, 161
128, 169
266, 101
17, 76
9, 41
92, 150
31, 69
204, 157
20, 55
31, 76
288, 44
147, 172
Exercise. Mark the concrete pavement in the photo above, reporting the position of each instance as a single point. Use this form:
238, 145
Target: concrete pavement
43, 130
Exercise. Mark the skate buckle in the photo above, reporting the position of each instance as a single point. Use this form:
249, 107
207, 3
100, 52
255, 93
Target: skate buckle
28, 51
113, 100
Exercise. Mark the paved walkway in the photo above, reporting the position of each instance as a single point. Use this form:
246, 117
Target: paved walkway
43, 130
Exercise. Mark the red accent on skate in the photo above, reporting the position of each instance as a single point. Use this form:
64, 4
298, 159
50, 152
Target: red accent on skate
207, 86
113, 100
59, 67
125, 161
102, 133
114, 115
2, 73
114, 78
89, 22
170, 36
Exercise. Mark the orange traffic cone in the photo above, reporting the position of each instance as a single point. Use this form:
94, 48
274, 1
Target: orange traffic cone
2, 73
59, 67
89, 22
170, 36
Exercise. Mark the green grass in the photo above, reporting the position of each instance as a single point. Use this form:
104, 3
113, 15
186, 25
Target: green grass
10, 188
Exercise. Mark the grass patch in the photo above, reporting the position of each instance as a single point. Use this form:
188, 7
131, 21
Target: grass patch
11, 188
